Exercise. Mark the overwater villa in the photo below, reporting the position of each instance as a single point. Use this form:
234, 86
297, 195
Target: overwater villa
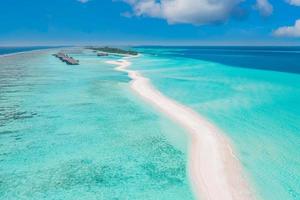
102, 54
67, 59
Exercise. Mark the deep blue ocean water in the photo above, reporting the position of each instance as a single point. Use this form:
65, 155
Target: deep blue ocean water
284, 59
9, 50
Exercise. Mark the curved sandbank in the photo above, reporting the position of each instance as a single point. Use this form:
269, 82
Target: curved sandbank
214, 170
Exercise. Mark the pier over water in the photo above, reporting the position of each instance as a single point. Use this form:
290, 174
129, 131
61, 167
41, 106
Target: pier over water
67, 59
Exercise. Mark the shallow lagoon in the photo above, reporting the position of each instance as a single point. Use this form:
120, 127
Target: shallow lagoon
257, 109
78, 132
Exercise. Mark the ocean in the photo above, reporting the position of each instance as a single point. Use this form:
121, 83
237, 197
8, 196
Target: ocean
11, 50
80, 132
252, 96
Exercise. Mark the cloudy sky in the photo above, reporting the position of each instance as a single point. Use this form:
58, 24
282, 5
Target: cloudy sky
156, 22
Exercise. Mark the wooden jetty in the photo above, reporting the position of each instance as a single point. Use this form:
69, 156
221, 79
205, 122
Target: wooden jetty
102, 54
67, 59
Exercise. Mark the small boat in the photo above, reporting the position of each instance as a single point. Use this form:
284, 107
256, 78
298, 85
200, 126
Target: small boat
102, 54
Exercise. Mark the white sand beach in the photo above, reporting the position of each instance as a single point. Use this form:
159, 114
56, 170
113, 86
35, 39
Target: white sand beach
215, 171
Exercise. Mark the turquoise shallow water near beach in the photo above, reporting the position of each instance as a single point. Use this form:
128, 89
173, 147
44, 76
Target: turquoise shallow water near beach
78, 132
258, 110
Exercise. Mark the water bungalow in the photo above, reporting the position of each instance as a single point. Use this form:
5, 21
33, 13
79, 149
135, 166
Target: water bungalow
102, 54
67, 59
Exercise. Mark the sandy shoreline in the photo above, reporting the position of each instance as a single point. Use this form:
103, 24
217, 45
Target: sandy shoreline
215, 172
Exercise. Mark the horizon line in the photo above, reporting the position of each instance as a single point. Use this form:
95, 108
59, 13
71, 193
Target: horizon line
156, 45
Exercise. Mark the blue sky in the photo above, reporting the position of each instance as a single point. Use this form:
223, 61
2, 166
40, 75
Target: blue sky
135, 22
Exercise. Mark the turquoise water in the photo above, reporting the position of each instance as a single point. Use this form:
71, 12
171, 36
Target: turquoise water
78, 132
259, 111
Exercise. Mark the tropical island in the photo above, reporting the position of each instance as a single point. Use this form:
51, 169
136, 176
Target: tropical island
113, 50
150, 99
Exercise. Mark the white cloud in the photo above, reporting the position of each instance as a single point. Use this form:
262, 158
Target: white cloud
294, 2
83, 1
264, 7
289, 31
196, 12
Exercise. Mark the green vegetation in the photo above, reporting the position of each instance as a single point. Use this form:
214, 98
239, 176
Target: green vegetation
113, 50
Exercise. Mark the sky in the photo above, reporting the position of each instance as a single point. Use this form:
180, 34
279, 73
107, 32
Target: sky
149, 22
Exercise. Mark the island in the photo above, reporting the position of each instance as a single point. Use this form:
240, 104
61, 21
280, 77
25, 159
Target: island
113, 50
